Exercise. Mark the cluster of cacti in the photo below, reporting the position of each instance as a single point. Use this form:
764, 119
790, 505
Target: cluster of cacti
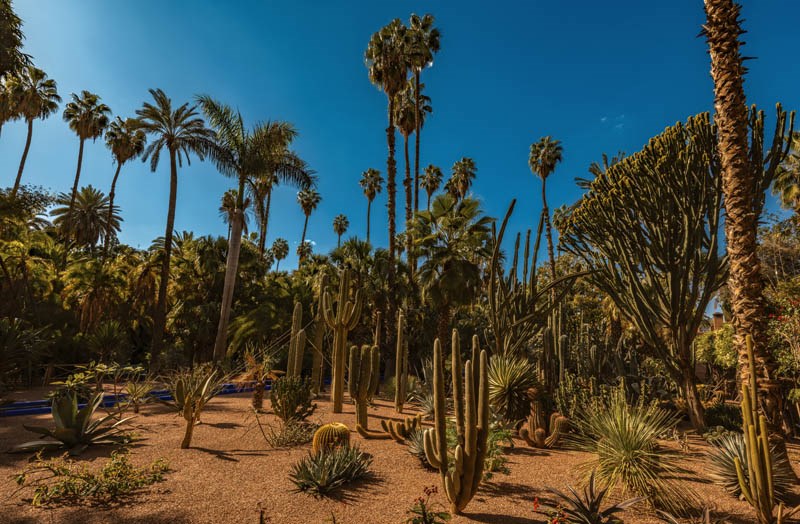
399, 430
471, 404
341, 316
297, 343
537, 432
318, 356
362, 379
400, 364
330, 436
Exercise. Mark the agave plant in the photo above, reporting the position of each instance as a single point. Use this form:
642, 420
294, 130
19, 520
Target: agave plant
324, 473
416, 446
75, 430
191, 390
138, 392
586, 508
510, 377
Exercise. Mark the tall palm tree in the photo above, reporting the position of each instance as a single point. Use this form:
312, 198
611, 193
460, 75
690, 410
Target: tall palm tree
87, 219
463, 174
739, 186
181, 132
308, 199
304, 250
35, 96
280, 250
431, 181
126, 141
340, 225
423, 43
87, 117
544, 156
244, 155
371, 183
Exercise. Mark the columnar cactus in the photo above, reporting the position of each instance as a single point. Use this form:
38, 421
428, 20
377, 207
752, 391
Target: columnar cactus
398, 430
297, 343
318, 360
341, 316
472, 424
330, 436
376, 338
363, 379
400, 364
535, 431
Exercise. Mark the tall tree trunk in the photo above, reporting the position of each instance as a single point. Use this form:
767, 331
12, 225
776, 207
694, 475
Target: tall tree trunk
338, 241
408, 183
416, 141
548, 230
77, 177
24, 157
231, 268
160, 320
262, 241
391, 190
110, 215
369, 207
429, 200
302, 240
739, 186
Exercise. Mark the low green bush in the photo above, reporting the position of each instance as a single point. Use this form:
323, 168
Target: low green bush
325, 473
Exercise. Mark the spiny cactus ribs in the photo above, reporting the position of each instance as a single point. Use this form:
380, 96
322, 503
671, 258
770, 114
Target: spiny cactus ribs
536, 432
330, 436
342, 317
363, 379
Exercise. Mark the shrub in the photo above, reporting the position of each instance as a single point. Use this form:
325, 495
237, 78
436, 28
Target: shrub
623, 439
725, 415
586, 507
61, 480
291, 397
510, 377
426, 404
324, 473
288, 434
416, 446
723, 471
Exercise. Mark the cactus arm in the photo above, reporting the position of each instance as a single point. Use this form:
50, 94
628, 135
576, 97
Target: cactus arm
399, 379
429, 445
440, 412
372, 435
355, 362
458, 386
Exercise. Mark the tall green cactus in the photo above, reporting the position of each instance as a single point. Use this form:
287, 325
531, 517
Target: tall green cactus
318, 360
297, 343
341, 316
363, 379
472, 424
400, 364
376, 338
536, 432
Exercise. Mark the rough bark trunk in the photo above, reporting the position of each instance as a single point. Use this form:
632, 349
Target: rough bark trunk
18, 180
694, 406
265, 224
408, 182
369, 208
77, 177
391, 189
416, 142
231, 267
110, 215
548, 231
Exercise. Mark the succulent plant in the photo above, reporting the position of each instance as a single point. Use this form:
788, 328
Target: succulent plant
537, 432
341, 316
400, 364
363, 379
297, 343
330, 436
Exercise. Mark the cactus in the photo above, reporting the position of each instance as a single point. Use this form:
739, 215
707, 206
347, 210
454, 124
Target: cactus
341, 319
297, 343
400, 364
318, 360
376, 338
535, 431
363, 379
472, 424
393, 429
330, 436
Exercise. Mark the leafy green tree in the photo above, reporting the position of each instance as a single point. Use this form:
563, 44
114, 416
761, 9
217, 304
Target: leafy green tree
87, 219
88, 117
11, 37
431, 181
126, 142
340, 225
371, 183
181, 132
94, 288
464, 172
8, 109
280, 250
34, 96
544, 156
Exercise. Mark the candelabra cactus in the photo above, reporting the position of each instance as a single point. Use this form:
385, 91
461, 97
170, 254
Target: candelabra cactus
363, 379
330, 436
318, 360
472, 424
399, 430
535, 431
341, 317
297, 343
400, 364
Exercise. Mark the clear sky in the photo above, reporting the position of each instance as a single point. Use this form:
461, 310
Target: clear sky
601, 76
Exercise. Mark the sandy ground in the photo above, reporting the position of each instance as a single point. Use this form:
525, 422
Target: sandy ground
230, 473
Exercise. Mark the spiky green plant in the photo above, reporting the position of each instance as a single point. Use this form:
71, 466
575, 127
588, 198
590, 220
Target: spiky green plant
416, 446
586, 507
330, 436
138, 392
191, 390
291, 398
510, 377
324, 473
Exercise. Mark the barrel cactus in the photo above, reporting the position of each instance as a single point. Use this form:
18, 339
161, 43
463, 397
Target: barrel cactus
330, 436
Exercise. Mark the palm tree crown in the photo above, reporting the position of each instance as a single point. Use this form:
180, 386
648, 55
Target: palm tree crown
125, 139
308, 199
280, 249
340, 225
544, 156
371, 182
86, 115
87, 222
464, 172
431, 181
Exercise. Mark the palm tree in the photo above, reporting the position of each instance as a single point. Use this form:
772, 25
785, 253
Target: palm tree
304, 250
308, 199
739, 186
371, 183
87, 219
431, 181
423, 43
280, 250
126, 141
88, 118
228, 210
463, 174
340, 225
180, 132
94, 286
544, 156
34, 96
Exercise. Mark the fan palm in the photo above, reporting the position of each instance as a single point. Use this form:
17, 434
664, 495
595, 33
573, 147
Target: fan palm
87, 219
340, 225
431, 181
228, 210
304, 250
544, 156
423, 43
371, 183
181, 132
126, 141
87, 116
463, 174
280, 250
93, 287
35, 97
308, 199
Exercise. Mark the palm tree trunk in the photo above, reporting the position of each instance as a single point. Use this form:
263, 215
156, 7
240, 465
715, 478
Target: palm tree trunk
548, 230
264, 223
231, 267
160, 320
111, 209
24, 157
391, 190
369, 206
739, 186
77, 177
429, 200
302, 241
339, 241
416, 141
407, 182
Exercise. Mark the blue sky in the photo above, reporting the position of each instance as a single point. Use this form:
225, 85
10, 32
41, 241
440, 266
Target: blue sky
599, 76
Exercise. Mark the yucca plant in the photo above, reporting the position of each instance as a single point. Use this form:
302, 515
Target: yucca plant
324, 473
138, 392
75, 430
191, 390
624, 441
586, 507
510, 377
416, 446
259, 366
